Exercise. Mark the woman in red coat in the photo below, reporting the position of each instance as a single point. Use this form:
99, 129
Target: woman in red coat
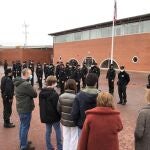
101, 127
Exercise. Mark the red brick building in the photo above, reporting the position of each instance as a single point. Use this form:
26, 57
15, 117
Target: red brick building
37, 53
93, 43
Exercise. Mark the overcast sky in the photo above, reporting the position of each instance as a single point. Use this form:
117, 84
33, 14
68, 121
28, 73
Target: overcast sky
48, 16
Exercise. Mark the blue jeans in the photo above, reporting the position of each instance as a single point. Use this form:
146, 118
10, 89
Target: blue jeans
25, 119
57, 128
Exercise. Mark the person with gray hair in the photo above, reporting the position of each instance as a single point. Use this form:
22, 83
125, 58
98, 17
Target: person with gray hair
142, 130
25, 105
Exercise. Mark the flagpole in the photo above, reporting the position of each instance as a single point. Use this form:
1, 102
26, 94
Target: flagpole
112, 42
113, 33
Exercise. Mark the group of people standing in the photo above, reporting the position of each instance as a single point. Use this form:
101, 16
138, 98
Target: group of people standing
87, 115
83, 115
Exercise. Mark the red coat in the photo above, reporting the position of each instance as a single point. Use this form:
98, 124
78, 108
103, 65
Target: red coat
100, 130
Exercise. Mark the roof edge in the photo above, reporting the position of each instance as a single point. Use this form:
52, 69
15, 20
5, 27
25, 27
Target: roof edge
104, 24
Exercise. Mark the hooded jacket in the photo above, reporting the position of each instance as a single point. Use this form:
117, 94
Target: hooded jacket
100, 130
84, 100
48, 99
24, 95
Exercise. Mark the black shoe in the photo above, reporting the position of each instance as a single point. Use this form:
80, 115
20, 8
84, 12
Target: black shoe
124, 103
119, 103
10, 125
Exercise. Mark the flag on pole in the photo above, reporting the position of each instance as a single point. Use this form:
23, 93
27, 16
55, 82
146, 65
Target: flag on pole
115, 11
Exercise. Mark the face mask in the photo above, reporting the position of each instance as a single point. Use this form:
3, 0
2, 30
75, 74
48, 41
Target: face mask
30, 77
121, 70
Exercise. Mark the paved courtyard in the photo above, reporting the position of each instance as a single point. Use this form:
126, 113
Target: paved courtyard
9, 137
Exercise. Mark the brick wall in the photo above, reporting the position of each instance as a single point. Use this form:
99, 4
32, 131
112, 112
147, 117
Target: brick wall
125, 48
38, 55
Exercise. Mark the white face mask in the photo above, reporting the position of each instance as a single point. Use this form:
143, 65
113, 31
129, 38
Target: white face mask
30, 77
121, 70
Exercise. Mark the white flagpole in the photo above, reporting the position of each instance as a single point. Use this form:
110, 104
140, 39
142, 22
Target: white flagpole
113, 33
112, 42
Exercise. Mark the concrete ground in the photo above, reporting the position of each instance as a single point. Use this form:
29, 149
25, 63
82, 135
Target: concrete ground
136, 89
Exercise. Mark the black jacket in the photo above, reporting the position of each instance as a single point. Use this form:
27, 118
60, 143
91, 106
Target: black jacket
123, 78
111, 73
7, 87
62, 75
84, 71
95, 70
48, 99
84, 100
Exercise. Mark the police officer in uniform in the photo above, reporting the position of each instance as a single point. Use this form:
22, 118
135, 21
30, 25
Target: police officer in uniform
62, 77
24, 65
47, 71
95, 69
31, 67
18, 68
5, 65
40, 75
123, 80
7, 92
78, 77
68, 70
51, 69
111, 74
57, 73
36, 70
14, 69
84, 72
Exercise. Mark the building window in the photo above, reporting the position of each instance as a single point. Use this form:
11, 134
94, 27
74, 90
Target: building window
86, 35
78, 36
69, 37
135, 59
118, 30
104, 32
95, 33
145, 26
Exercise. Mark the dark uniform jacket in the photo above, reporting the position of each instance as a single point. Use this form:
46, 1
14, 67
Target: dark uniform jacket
123, 78
84, 71
68, 72
39, 72
62, 75
111, 73
24, 95
48, 99
65, 107
76, 74
7, 87
95, 70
